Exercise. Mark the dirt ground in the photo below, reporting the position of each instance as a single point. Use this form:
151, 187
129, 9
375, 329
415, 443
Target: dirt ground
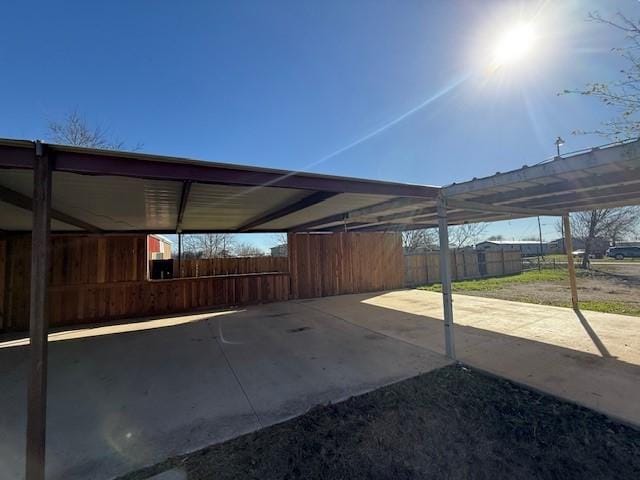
450, 423
604, 283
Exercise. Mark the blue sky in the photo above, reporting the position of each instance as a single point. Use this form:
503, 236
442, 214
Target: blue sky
287, 84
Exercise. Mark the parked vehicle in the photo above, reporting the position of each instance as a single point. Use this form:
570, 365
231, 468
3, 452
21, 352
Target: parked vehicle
580, 253
620, 253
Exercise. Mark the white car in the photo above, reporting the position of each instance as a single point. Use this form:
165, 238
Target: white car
580, 253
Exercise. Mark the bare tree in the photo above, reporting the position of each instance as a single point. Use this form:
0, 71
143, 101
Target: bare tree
623, 95
611, 224
625, 222
74, 129
466, 235
208, 245
279, 239
247, 250
419, 239
496, 238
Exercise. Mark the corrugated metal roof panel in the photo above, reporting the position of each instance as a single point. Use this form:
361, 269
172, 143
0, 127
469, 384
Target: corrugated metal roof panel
109, 203
338, 204
226, 207
18, 219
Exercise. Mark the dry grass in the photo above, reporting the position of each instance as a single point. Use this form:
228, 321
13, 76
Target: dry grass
600, 291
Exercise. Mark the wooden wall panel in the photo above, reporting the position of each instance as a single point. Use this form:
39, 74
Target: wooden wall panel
17, 281
339, 263
509, 262
91, 259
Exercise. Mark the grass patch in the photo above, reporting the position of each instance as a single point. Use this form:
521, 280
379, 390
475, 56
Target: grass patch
622, 308
561, 258
485, 284
611, 307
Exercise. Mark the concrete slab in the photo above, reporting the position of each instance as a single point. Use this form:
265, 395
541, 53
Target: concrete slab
121, 400
590, 358
128, 395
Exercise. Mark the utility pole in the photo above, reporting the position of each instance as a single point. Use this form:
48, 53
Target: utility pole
559, 142
540, 238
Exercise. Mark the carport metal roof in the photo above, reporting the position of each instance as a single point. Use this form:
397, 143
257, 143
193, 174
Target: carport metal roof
601, 177
103, 191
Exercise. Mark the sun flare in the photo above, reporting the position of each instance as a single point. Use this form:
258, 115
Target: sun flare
514, 45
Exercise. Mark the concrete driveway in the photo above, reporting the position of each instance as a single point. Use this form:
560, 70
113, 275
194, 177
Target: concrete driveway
128, 395
589, 358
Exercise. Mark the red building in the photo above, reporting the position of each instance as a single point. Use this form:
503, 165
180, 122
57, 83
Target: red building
158, 247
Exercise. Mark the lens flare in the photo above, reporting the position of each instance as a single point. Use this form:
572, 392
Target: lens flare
514, 45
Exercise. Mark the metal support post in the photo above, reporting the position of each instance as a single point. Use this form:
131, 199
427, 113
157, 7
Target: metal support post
445, 278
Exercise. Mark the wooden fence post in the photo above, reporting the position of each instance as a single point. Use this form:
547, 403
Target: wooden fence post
464, 265
426, 267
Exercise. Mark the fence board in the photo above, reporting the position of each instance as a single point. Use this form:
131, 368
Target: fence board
131, 299
340, 263
203, 267
424, 268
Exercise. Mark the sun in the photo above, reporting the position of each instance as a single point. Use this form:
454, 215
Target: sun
514, 45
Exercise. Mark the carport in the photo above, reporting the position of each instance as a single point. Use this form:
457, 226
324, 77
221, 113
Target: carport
51, 188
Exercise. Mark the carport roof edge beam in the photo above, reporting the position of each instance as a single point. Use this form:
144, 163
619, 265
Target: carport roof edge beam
103, 191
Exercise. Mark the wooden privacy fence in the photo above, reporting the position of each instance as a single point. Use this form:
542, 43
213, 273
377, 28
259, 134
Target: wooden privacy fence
203, 267
81, 304
96, 279
76, 262
339, 263
424, 268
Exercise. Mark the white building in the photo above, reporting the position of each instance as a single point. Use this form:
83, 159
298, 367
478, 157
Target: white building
525, 247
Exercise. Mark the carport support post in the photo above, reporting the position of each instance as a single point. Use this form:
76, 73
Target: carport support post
179, 275
568, 245
38, 321
445, 277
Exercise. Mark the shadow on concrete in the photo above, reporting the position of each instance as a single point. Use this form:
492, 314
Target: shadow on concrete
592, 334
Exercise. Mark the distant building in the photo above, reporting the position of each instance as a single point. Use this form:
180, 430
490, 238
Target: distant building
525, 247
279, 250
159, 247
598, 247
